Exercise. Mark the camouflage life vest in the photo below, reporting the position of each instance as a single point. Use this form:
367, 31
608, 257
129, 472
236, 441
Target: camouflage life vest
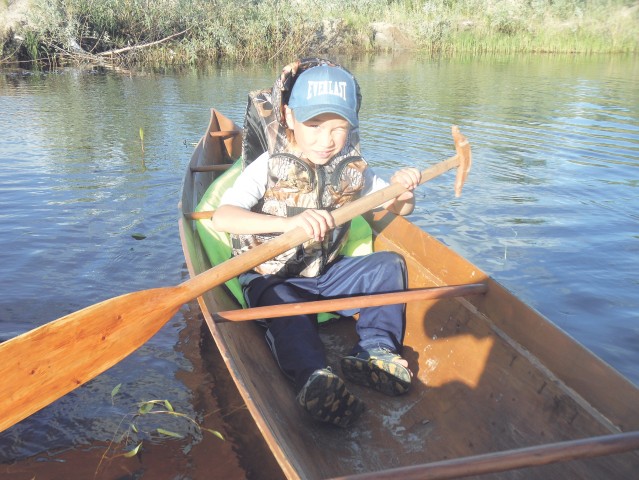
295, 185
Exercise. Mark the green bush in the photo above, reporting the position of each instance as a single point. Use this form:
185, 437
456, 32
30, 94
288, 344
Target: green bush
269, 29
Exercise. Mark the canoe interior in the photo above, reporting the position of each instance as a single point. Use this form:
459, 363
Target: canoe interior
491, 374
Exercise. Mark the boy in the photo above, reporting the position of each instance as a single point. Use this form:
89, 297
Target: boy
312, 170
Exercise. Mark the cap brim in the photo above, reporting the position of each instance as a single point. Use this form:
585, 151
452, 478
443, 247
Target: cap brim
303, 114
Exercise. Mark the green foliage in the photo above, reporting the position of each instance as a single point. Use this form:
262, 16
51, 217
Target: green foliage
282, 29
31, 45
142, 138
114, 392
133, 452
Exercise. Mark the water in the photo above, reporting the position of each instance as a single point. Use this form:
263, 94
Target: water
549, 210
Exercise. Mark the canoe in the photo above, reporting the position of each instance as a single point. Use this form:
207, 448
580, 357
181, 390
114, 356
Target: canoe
495, 381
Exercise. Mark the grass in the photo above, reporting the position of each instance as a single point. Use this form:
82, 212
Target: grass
242, 30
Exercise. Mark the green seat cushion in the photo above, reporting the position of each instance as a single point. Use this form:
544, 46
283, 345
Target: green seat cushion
218, 244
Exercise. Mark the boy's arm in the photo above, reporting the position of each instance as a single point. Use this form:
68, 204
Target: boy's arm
234, 215
238, 220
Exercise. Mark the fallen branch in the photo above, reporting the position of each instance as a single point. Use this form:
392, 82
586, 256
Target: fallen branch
142, 45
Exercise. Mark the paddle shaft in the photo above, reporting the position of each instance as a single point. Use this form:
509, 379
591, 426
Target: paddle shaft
361, 301
509, 460
203, 215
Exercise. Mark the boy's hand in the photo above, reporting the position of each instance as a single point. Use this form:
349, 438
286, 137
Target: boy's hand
405, 203
409, 178
316, 223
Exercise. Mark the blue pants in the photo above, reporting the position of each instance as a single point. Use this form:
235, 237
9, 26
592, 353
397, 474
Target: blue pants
295, 340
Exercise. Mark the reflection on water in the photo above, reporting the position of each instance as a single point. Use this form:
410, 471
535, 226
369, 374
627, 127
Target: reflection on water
549, 209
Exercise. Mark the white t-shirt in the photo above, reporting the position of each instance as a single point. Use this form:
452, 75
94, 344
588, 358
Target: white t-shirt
250, 186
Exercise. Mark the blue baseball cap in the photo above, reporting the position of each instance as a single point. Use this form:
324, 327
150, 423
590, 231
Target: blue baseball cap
324, 89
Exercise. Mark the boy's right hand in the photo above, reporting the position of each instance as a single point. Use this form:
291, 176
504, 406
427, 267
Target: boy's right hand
316, 223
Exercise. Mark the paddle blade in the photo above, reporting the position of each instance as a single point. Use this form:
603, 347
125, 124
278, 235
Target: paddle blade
44, 364
462, 146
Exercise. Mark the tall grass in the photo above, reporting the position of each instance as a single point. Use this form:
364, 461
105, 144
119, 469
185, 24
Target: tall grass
266, 29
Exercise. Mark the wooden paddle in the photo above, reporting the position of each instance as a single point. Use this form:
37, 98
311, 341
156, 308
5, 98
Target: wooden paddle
203, 215
357, 302
41, 365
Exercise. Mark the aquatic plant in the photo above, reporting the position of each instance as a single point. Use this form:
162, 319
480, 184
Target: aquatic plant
130, 435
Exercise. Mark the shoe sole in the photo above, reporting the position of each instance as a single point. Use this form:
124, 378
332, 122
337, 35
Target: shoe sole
389, 378
326, 399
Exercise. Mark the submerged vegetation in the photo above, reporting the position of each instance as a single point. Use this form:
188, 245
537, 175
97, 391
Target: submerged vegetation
137, 428
190, 31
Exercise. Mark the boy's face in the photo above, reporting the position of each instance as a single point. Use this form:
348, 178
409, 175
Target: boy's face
320, 138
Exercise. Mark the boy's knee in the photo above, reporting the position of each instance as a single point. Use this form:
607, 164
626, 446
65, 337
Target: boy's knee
391, 260
391, 267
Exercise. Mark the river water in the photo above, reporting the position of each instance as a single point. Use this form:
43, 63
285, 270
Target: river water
90, 172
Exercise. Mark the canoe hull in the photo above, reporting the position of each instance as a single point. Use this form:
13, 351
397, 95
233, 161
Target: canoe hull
491, 374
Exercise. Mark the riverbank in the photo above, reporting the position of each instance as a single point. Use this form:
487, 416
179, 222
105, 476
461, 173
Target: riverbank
178, 32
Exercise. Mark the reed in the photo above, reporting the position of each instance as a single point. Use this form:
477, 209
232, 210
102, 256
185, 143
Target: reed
268, 29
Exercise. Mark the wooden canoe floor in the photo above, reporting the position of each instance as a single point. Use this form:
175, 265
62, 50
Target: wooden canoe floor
491, 374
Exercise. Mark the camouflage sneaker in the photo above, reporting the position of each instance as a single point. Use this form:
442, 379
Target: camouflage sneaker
326, 398
378, 368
